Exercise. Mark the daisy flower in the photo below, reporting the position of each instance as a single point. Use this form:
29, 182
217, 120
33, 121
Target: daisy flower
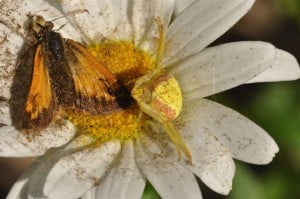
158, 50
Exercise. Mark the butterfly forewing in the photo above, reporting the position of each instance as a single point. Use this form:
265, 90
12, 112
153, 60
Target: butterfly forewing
92, 80
40, 104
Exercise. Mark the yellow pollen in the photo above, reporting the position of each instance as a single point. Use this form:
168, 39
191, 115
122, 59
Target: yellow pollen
123, 59
124, 125
128, 64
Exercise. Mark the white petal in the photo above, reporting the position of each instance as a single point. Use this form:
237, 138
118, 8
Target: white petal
5, 118
74, 175
18, 190
161, 167
200, 24
145, 27
11, 43
284, 68
124, 180
123, 26
246, 141
14, 14
104, 19
180, 5
90, 194
39, 170
90, 23
222, 67
13, 143
30, 183
212, 162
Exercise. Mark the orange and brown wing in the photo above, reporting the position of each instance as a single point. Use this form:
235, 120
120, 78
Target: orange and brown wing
98, 90
40, 105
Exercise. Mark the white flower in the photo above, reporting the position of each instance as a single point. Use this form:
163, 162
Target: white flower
212, 133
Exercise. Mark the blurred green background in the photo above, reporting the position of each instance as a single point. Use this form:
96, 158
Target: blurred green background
273, 106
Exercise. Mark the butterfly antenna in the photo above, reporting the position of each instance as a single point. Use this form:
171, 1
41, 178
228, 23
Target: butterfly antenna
74, 12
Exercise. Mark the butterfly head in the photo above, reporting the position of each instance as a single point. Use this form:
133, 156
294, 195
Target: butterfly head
41, 26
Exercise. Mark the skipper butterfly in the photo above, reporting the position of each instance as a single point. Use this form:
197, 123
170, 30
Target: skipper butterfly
66, 75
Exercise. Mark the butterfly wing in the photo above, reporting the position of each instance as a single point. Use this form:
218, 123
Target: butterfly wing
97, 89
40, 105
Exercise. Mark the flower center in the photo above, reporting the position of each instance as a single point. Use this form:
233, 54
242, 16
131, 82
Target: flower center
128, 64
